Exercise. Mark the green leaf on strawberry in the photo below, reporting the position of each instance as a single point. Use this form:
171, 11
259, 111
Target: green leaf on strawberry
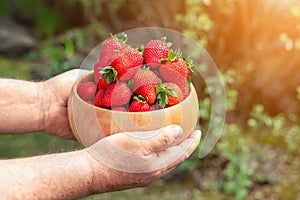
122, 37
110, 74
162, 94
140, 98
139, 104
189, 64
172, 55
164, 39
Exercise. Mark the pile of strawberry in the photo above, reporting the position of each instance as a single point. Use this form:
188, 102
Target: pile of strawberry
137, 80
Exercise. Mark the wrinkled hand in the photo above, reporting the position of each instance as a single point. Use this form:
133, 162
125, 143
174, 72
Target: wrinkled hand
129, 161
55, 99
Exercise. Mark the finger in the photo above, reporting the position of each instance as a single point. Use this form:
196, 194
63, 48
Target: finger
147, 142
116, 158
182, 151
163, 139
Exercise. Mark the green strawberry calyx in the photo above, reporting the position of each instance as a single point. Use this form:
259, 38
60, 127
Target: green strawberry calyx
140, 98
162, 93
122, 37
177, 54
164, 39
189, 63
109, 73
172, 55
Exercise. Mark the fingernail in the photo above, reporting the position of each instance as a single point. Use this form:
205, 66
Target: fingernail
177, 130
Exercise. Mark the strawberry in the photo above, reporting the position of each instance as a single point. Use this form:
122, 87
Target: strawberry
127, 63
169, 73
155, 50
102, 83
139, 104
117, 94
168, 94
90, 102
173, 68
108, 76
119, 108
148, 92
176, 70
144, 84
185, 88
109, 51
87, 90
144, 76
99, 97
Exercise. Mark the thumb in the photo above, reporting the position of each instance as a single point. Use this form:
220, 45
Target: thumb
164, 138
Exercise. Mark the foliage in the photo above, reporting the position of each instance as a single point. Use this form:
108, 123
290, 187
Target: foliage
63, 54
201, 22
284, 128
256, 45
237, 174
242, 143
93, 9
256, 38
46, 20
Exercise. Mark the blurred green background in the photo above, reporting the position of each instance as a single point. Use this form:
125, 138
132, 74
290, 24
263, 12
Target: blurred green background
256, 46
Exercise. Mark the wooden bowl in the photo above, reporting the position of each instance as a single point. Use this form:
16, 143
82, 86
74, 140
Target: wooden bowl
90, 123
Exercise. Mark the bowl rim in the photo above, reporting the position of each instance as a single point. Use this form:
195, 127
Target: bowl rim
76, 85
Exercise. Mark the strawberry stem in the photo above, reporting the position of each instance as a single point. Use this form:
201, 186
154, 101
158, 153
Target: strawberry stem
110, 74
140, 98
122, 37
189, 63
130, 84
162, 93
164, 39
172, 55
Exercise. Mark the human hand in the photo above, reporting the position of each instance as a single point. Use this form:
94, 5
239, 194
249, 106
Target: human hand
55, 100
122, 161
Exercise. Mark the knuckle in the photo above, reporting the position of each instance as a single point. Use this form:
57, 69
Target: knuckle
164, 140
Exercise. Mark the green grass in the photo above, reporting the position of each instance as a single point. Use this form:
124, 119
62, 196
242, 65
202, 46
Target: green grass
31, 144
14, 68
160, 190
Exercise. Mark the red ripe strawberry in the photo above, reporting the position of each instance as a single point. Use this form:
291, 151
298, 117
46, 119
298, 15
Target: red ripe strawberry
148, 92
176, 70
90, 102
108, 76
127, 63
144, 76
139, 104
119, 108
87, 90
109, 51
98, 97
97, 68
102, 83
168, 94
144, 84
185, 88
155, 50
169, 73
172, 70
117, 94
